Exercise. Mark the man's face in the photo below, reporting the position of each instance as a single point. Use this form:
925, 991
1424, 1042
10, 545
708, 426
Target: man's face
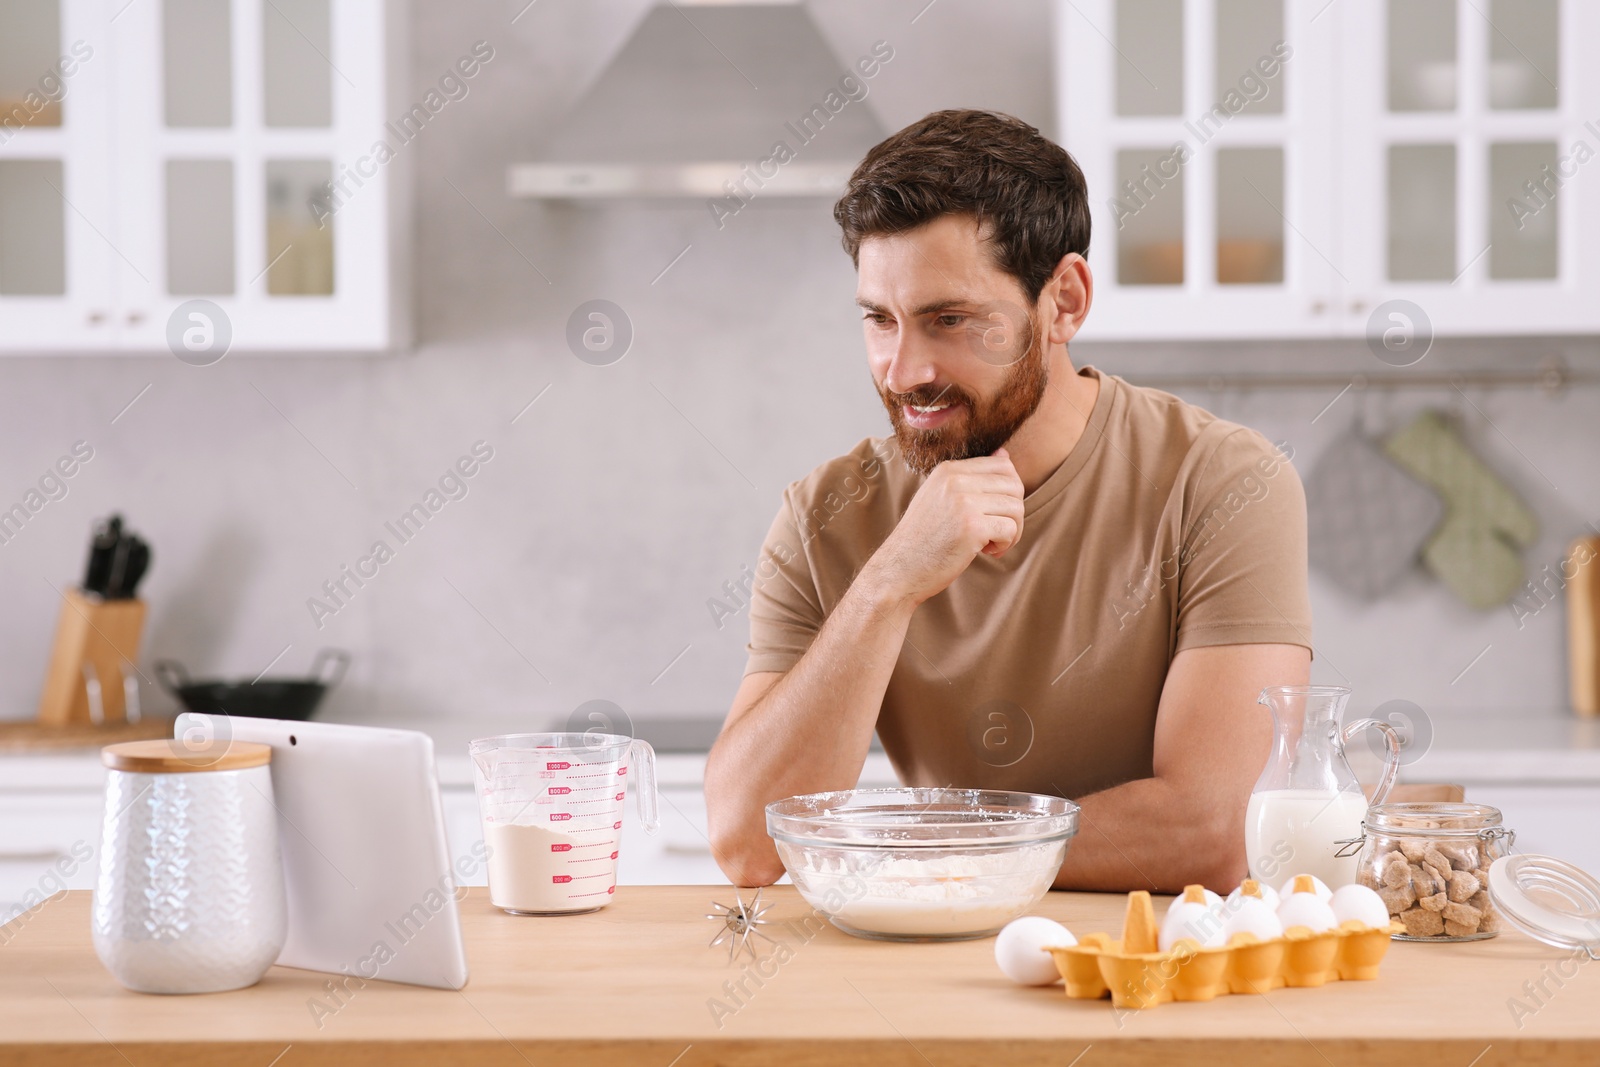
953, 347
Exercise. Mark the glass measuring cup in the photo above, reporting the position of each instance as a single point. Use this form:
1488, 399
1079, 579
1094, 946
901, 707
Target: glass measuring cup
552, 815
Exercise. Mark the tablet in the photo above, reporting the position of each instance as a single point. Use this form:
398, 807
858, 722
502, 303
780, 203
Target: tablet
361, 829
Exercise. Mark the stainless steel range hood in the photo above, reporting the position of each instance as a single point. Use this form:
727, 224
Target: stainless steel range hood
704, 100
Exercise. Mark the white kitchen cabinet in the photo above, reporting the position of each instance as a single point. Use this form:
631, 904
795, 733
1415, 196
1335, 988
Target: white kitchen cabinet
1553, 820
224, 151
49, 841
1283, 168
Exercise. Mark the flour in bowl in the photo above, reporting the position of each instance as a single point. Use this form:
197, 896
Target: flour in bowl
942, 896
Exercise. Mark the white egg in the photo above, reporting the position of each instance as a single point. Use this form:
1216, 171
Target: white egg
1251, 915
1199, 922
1213, 900
1359, 903
1268, 894
1019, 949
1317, 884
1305, 909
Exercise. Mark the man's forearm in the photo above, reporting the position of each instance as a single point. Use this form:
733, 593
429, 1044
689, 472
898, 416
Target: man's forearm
1152, 834
810, 732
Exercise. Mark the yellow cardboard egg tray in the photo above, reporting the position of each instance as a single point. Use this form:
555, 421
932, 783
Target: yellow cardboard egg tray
1138, 975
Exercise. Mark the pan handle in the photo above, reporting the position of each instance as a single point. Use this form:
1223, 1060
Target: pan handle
328, 678
170, 673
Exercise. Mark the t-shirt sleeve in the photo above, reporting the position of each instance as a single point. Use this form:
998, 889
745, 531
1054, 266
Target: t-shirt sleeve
785, 607
1244, 556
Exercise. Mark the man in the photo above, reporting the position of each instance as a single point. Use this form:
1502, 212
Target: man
1047, 580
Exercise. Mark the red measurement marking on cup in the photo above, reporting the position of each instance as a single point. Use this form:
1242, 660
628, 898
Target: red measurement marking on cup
561, 879
560, 816
560, 790
557, 765
561, 848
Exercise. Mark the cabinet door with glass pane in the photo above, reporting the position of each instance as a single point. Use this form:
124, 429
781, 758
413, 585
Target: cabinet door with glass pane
57, 229
245, 139
1470, 162
1202, 127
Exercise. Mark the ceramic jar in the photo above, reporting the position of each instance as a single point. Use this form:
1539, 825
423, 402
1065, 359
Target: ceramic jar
190, 893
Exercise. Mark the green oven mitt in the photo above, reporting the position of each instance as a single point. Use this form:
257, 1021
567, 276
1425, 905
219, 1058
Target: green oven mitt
1476, 550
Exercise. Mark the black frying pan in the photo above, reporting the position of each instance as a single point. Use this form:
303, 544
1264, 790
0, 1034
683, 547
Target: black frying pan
265, 698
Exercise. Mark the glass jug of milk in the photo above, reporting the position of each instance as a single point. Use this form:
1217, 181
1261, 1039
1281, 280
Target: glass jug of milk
1306, 809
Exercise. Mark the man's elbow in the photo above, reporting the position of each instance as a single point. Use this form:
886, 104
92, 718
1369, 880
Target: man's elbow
746, 861
1220, 862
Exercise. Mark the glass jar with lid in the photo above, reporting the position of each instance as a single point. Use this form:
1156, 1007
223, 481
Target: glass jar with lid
1430, 864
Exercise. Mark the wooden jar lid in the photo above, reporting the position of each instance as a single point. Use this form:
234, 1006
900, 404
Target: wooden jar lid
169, 755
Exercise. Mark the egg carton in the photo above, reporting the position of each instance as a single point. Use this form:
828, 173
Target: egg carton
1137, 975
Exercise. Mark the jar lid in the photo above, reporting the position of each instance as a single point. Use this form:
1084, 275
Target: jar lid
173, 755
1549, 900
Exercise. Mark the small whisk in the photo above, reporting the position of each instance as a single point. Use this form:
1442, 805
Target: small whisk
739, 924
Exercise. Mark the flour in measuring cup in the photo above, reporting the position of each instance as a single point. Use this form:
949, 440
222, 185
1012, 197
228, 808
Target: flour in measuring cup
533, 868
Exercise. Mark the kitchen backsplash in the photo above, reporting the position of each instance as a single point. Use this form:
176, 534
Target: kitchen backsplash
611, 508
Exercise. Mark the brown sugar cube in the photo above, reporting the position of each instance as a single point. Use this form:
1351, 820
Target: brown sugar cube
1489, 923
1413, 848
1436, 902
1461, 857
1368, 877
1395, 871
1465, 914
1420, 922
1441, 875
1480, 900
1455, 929
1436, 863
1463, 886
1398, 898
1427, 885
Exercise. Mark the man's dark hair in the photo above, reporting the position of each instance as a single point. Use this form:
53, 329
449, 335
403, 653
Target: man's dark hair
1026, 193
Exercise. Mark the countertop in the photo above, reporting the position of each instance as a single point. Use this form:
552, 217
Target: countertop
637, 983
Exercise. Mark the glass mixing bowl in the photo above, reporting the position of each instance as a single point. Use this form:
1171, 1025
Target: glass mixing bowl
922, 864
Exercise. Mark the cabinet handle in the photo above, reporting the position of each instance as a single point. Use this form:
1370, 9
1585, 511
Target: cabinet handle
36, 855
1318, 307
1357, 306
135, 318
96, 317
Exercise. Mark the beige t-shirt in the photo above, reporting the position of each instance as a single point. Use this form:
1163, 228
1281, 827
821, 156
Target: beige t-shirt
1165, 528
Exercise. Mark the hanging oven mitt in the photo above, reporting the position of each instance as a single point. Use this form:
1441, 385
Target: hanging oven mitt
1477, 549
1369, 519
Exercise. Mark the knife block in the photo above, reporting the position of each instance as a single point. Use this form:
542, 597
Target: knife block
94, 639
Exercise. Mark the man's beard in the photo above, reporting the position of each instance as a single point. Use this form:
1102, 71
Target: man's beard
982, 427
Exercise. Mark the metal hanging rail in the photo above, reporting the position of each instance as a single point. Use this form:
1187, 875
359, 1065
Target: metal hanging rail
1552, 376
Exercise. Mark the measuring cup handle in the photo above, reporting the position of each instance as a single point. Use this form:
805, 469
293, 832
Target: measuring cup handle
1391, 756
643, 760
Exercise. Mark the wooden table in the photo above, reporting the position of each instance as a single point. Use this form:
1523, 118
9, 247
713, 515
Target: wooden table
637, 984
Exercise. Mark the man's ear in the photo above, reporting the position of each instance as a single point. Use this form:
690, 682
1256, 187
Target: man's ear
1068, 292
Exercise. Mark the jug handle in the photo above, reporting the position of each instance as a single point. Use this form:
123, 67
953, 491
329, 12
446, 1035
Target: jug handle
643, 759
1391, 756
